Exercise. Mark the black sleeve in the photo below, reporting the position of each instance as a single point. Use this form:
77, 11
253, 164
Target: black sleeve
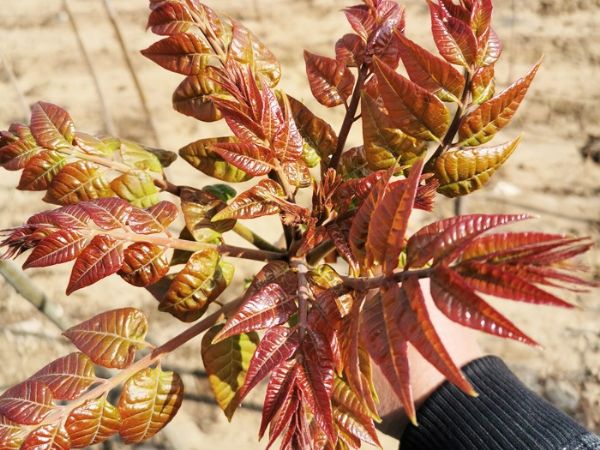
505, 416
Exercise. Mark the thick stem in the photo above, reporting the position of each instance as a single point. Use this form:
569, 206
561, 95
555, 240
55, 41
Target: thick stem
193, 246
453, 129
319, 252
350, 117
304, 296
366, 283
254, 239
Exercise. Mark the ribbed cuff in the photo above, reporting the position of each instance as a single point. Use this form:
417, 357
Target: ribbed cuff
505, 416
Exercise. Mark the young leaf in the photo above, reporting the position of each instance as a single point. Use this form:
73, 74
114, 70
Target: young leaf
108, 213
170, 18
316, 132
350, 414
416, 324
280, 387
226, 363
100, 259
51, 126
201, 156
453, 296
256, 202
255, 160
136, 188
143, 264
111, 338
57, 248
441, 239
76, 182
414, 110
192, 96
464, 170
199, 207
11, 434
181, 53
277, 346
331, 82
67, 377
454, 39
388, 349
195, 287
483, 85
350, 50
41, 170
481, 125
27, 403
386, 146
430, 72
92, 423
500, 282
155, 219
149, 401
387, 228
267, 308
48, 437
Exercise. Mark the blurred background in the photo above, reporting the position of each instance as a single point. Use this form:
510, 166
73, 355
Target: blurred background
555, 173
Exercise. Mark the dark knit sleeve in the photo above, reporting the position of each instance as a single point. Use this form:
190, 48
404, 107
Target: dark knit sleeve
505, 416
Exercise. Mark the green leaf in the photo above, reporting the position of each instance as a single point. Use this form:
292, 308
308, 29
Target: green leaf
226, 364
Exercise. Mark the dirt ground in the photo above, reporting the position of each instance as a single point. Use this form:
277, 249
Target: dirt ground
547, 176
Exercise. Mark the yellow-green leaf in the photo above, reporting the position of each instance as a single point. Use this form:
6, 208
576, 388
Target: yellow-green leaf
226, 364
199, 283
199, 155
148, 402
137, 188
465, 170
384, 145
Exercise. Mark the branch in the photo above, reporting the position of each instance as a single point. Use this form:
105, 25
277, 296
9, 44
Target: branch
366, 283
350, 117
451, 133
250, 236
136, 81
108, 121
25, 286
304, 296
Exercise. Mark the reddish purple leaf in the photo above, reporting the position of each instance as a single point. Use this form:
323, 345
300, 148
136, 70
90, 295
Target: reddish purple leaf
27, 403
59, 247
455, 298
277, 346
67, 377
101, 258
269, 307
